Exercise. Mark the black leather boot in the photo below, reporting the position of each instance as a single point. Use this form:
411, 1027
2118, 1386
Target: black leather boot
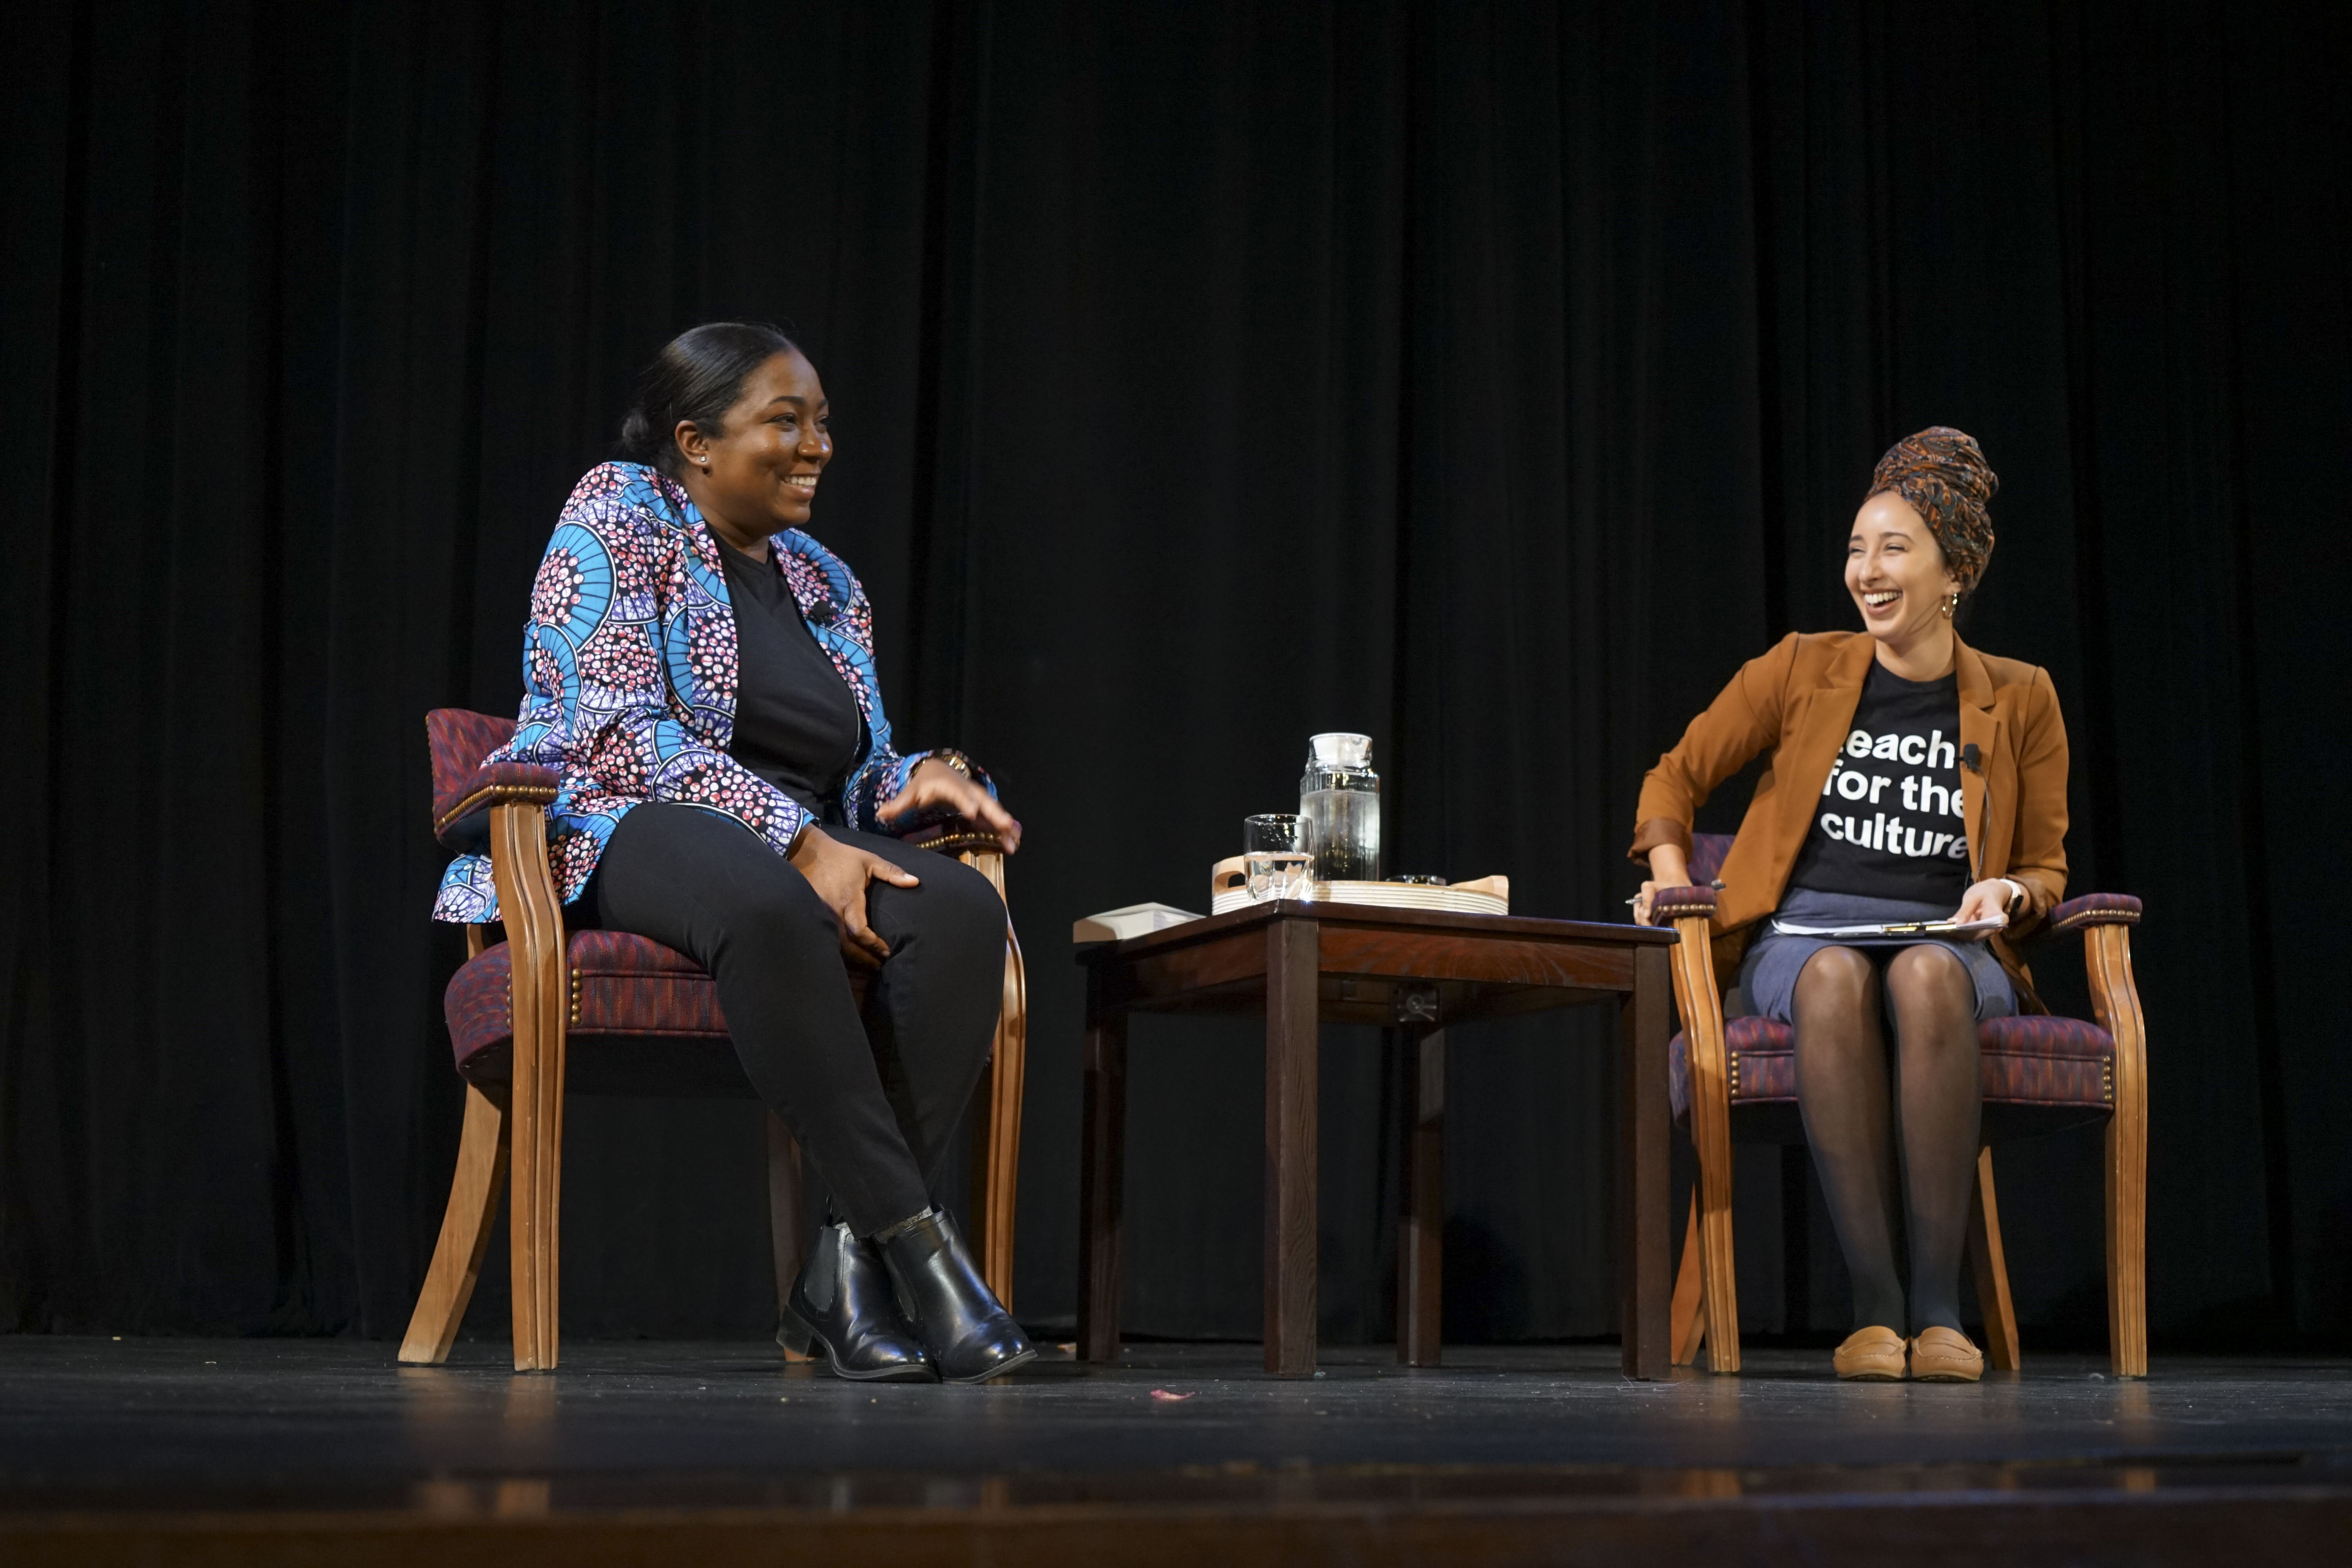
970, 1336
842, 1303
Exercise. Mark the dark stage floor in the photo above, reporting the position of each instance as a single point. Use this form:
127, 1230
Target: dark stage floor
245, 1449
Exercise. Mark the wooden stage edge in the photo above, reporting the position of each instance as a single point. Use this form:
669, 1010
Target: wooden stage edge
269, 1452
2273, 1525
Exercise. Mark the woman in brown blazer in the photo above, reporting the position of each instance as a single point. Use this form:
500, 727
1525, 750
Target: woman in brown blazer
1912, 778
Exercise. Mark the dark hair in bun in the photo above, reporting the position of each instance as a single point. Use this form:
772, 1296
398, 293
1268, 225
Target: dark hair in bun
1942, 474
695, 380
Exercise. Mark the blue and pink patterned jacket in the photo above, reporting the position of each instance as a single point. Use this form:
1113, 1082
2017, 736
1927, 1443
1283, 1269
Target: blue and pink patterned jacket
629, 679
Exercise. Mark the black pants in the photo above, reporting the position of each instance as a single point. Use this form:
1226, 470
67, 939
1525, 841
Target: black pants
874, 1100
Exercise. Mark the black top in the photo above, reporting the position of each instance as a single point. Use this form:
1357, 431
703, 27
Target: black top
796, 723
1890, 822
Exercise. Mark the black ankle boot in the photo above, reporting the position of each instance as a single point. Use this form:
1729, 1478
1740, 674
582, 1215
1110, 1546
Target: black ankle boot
970, 1336
843, 1302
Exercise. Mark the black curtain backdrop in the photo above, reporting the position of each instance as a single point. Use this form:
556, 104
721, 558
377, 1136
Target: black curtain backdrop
1491, 379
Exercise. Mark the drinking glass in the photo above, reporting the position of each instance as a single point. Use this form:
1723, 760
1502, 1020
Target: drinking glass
1274, 858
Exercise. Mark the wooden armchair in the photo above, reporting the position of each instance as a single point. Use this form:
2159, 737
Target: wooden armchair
1736, 1080
603, 1012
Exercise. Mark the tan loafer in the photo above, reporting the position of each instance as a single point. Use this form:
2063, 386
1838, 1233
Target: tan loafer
1874, 1354
1945, 1355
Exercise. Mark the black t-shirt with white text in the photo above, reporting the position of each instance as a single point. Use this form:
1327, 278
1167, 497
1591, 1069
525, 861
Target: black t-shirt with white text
1890, 824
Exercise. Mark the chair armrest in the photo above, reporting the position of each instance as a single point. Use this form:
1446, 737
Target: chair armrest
1680, 903
955, 836
461, 818
2091, 909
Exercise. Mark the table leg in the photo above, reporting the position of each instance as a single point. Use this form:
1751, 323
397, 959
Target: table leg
1290, 1154
1102, 1172
1421, 1228
1644, 1183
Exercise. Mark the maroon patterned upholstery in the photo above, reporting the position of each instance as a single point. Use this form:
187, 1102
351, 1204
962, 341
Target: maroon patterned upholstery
1762, 1060
1673, 903
464, 789
618, 985
1706, 857
2092, 909
2041, 1059
459, 741
464, 824
2035, 1061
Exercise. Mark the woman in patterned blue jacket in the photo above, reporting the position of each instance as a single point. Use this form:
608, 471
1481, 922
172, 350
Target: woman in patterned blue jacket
700, 674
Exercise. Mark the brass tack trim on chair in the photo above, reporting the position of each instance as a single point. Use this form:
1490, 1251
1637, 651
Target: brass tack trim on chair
575, 995
496, 794
958, 843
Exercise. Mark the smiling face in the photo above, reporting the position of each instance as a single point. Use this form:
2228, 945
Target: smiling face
758, 474
1895, 572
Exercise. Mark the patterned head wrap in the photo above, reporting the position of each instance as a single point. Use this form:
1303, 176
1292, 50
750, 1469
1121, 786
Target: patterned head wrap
1944, 477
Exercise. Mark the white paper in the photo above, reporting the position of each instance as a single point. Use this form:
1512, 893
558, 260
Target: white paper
1895, 928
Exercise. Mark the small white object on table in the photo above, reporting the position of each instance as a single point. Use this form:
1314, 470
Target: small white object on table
1134, 919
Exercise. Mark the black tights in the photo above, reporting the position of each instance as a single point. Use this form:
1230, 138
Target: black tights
1858, 1129
873, 1100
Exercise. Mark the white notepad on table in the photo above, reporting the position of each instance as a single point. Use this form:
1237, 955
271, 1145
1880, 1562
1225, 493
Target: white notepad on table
1134, 919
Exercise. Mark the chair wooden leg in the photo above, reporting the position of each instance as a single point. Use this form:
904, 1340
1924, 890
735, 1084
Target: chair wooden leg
785, 1214
1686, 1327
474, 1193
2126, 1196
1719, 1294
996, 1129
534, 922
533, 1227
1710, 1100
1007, 1077
2116, 995
1989, 1264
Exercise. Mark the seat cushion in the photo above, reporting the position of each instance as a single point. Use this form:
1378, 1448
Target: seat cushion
1763, 1064
2036, 1060
2040, 1059
618, 985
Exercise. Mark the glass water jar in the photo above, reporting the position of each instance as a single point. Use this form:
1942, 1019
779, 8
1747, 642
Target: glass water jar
1339, 806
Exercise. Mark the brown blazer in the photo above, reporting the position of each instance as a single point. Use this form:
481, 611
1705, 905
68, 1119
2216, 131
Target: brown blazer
1799, 700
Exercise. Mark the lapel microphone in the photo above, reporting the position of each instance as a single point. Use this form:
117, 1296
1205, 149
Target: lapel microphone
1971, 759
822, 614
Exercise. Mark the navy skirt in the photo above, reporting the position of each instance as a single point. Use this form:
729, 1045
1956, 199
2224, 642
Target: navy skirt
1768, 975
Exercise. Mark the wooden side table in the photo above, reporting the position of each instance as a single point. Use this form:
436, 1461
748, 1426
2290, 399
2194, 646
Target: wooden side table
1305, 962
